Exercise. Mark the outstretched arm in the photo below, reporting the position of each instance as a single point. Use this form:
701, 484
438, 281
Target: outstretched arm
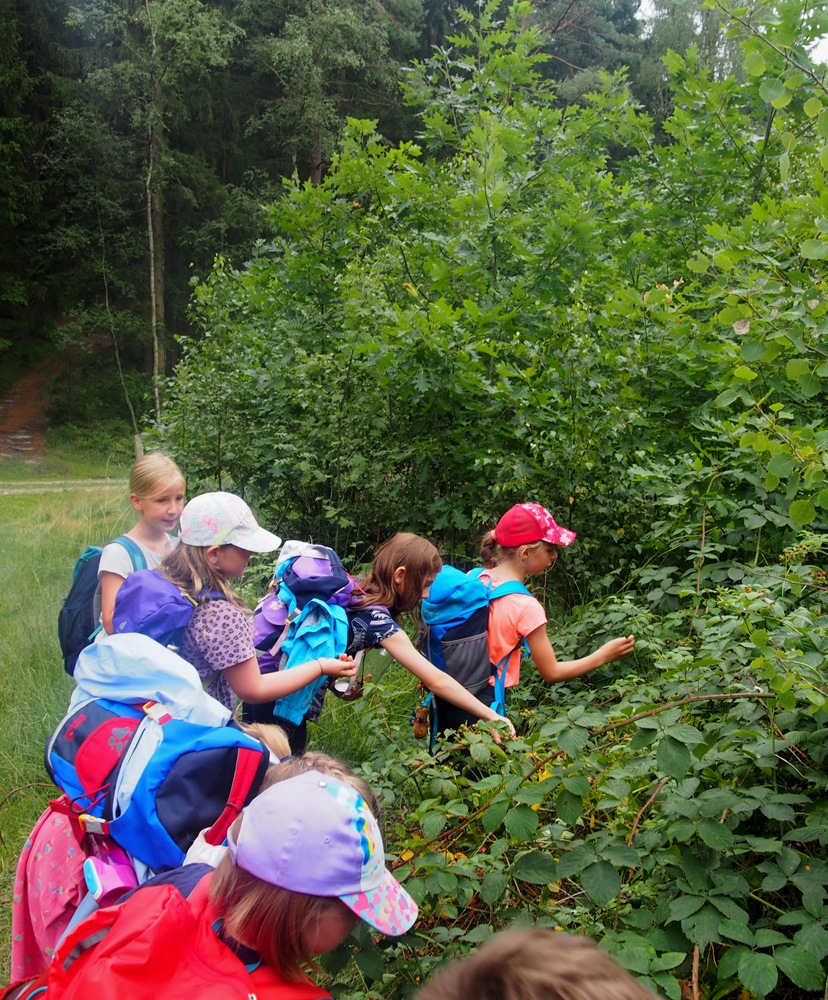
437, 681
552, 669
255, 687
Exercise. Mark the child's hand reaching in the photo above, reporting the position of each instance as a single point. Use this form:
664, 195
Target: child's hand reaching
495, 734
343, 666
617, 649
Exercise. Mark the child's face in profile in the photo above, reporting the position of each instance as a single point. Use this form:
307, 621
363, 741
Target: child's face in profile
331, 929
229, 559
539, 560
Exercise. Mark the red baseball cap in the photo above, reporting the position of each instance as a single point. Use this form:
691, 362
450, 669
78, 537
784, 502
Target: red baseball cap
526, 523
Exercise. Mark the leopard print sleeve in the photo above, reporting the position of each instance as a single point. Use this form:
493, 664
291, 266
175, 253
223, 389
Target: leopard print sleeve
222, 634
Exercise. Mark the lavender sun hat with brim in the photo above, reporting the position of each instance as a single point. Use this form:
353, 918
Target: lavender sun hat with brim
224, 519
315, 834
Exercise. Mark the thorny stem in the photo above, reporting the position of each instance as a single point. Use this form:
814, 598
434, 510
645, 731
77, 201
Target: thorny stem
648, 803
764, 902
685, 701
695, 972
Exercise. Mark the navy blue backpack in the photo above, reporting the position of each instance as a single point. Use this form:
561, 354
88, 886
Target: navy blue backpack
456, 613
76, 619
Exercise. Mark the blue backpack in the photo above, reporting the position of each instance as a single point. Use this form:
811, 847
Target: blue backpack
151, 774
456, 613
149, 604
304, 618
76, 619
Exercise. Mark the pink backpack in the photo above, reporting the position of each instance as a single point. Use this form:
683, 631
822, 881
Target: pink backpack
48, 887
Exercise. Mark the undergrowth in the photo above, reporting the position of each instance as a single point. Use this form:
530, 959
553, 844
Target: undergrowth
42, 536
673, 806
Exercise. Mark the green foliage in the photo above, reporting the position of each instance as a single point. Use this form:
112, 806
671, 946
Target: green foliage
505, 310
410, 326
673, 803
436, 330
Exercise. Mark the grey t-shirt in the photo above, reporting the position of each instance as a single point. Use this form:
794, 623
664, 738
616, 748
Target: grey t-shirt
116, 559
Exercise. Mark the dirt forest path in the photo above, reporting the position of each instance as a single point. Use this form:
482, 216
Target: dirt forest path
23, 424
58, 486
23, 415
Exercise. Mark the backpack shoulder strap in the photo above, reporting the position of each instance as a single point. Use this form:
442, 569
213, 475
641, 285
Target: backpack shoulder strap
247, 766
510, 587
210, 595
502, 589
135, 553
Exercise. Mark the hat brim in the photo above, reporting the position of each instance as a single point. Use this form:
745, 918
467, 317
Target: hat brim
559, 536
256, 540
388, 908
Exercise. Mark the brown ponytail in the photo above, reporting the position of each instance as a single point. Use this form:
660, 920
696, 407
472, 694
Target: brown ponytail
489, 551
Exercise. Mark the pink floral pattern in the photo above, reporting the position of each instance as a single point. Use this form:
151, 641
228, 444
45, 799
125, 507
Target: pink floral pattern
48, 887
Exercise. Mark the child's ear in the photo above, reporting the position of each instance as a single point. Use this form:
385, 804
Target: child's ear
212, 554
399, 575
135, 500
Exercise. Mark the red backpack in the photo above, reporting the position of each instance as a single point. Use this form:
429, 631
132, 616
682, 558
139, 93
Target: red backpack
154, 946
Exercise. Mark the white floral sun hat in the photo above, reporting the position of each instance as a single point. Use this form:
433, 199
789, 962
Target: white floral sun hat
224, 519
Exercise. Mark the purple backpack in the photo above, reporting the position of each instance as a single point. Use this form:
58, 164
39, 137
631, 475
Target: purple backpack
148, 603
314, 571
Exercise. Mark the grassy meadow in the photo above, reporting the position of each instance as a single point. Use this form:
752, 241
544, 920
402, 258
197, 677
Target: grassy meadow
41, 536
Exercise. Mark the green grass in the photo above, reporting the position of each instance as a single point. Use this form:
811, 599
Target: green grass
41, 536
344, 729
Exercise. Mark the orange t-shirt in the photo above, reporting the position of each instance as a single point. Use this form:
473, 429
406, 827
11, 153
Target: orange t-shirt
511, 618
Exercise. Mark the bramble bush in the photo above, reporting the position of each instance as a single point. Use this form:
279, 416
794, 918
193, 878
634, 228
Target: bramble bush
673, 806
537, 299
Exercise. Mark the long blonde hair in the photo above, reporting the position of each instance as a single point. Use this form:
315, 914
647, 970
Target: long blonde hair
188, 568
271, 920
152, 474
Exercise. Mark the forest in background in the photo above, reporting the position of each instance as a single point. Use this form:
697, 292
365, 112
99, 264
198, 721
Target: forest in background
140, 138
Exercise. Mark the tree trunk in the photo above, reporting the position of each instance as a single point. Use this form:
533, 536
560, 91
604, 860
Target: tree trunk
155, 264
158, 240
316, 160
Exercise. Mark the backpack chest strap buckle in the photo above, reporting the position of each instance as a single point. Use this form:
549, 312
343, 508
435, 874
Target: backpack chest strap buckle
157, 711
93, 824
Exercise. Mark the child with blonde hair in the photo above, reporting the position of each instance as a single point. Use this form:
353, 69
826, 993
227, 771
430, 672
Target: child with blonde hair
305, 865
156, 491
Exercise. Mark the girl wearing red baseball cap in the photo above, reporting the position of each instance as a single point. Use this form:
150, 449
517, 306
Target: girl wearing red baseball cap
525, 543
